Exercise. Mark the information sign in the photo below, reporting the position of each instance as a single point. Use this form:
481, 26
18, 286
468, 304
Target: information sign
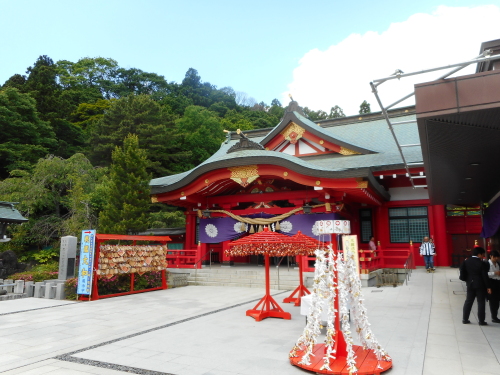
350, 246
86, 262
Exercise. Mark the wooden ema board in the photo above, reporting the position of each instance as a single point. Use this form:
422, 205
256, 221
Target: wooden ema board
366, 362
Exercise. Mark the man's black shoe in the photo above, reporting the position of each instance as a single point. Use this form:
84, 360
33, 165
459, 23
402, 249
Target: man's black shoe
466, 321
483, 323
495, 320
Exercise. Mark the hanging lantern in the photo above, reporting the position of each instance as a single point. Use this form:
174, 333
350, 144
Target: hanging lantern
307, 208
206, 213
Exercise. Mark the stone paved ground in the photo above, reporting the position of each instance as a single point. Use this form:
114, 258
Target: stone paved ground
203, 330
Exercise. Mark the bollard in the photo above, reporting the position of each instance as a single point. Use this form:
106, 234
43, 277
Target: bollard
19, 287
60, 292
29, 287
10, 289
38, 290
48, 291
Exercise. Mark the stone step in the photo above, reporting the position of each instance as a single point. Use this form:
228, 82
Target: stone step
250, 277
256, 285
243, 281
11, 296
242, 277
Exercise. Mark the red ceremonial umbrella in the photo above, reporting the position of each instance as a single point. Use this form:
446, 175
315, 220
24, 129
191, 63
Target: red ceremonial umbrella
269, 244
309, 245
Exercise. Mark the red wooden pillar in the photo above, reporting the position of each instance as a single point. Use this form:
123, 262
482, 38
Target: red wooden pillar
95, 276
201, 251
443, 256
190, 230
382, 235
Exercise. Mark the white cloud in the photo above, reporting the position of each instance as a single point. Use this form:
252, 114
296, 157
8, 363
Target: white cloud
341, 74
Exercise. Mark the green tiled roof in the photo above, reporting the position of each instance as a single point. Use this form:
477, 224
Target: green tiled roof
8, 214
372, 135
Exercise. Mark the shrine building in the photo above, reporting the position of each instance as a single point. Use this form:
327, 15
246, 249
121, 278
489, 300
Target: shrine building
343, 168
290, 176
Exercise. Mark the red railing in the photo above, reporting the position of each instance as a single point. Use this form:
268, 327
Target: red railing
182, 258
370, 260
396, 258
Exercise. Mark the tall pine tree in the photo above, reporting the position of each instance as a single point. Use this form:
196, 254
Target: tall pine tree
128, 199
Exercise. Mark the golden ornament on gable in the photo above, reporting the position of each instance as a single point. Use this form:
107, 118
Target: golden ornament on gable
346, 151
293, 133
244, 175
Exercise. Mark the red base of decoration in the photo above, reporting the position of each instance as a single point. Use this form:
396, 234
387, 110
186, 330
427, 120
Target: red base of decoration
270, 309
302, 291
366, 362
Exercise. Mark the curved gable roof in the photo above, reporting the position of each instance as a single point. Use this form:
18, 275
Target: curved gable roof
308, 125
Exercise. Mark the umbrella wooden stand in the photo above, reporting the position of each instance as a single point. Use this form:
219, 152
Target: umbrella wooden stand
301, 290
269, 307
268, 244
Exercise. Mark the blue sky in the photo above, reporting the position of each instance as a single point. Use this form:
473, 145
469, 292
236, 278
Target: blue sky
257, 47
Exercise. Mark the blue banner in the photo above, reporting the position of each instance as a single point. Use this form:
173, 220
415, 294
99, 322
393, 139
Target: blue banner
86, 262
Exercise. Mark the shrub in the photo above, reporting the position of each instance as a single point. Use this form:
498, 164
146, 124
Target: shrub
70, 288
44, 256
147, 280
39, 272
116, 284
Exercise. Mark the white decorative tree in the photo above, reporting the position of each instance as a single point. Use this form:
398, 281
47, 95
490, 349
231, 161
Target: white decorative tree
336, 287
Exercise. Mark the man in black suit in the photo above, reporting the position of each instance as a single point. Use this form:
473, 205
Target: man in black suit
478, 285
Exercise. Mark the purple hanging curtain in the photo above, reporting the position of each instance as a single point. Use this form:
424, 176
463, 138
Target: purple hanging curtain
491, 220
226, 229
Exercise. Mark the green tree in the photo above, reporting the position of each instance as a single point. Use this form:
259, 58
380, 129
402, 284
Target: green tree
235, 120
315, 115
17, 81
59, 197
42, 85
86, 115
136, 81
164, 216
128, 198
141, 115
24, 136
336, 112
364, 108
201, 132
54, 106
275, 102
97, 73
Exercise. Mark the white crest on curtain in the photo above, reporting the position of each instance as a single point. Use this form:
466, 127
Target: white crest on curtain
286, 226
211, 230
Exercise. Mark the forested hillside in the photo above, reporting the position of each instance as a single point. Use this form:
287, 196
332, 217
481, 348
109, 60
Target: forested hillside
61, 122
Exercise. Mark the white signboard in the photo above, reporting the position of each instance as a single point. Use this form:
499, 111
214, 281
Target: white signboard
350, 246
346, 227
334, 226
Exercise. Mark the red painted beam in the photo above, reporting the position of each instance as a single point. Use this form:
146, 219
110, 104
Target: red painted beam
266, 197
105, 237
276, 141
326, 144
